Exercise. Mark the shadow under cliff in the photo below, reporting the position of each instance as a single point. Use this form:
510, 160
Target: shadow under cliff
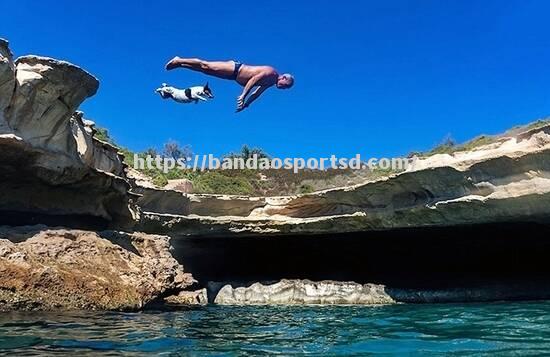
419, 258
15, 218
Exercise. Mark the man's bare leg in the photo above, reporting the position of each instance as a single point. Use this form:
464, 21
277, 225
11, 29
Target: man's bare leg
217, 69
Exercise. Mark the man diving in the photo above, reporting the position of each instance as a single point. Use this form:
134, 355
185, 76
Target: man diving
259, 78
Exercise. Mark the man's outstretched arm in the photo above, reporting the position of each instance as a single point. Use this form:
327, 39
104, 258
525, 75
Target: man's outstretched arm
255, 95
247, 88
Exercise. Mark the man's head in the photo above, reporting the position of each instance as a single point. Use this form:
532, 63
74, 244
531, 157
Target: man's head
285, 81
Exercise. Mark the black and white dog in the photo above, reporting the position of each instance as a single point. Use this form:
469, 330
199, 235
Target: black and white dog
187, 95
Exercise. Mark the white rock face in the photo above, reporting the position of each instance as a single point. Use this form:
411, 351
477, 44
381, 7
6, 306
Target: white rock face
47, 94
304, 292
47, 150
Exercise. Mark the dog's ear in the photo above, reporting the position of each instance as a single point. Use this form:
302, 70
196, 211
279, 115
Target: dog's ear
206, 86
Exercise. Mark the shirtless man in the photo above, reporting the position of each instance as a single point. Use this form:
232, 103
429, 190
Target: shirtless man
258, 77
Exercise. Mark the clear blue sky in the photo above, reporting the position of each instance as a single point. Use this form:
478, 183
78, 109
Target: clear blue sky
379, 78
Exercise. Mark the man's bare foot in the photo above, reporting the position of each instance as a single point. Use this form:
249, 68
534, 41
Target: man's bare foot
173, 63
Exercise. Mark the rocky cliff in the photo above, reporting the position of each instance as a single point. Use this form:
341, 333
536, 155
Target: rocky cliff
431, 233
50, 163
465, 226
54, 171
48, 152
505, 181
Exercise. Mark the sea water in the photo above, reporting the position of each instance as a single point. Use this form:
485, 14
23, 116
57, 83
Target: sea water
459, 329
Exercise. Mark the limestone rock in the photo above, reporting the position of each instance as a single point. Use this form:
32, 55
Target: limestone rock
50, 164
7, 82
304, 292
501, 182
93, 152
47, 94
45, 269
198, 297
139, 180
177, 203
181, 185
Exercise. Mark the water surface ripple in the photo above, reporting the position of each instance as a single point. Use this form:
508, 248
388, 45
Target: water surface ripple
458, 329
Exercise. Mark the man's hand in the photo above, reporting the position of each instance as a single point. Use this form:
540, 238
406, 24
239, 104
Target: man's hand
240, 104
249, 85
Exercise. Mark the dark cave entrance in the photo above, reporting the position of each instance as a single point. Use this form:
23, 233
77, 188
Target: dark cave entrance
419, 258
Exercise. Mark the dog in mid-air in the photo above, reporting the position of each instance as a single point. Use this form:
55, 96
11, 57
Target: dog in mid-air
187, 95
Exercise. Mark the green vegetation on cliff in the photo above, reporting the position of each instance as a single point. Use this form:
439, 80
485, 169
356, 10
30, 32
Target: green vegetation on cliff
283, 182
448, 145
243, 182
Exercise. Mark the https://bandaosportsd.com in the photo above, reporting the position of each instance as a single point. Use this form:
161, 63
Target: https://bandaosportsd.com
210, 162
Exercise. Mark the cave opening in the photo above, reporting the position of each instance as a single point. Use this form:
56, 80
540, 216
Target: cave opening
416, 258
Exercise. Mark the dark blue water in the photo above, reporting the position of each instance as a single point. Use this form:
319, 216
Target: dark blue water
465, 329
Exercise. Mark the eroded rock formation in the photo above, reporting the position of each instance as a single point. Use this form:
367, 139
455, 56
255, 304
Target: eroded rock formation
54, 171
304, 292
434, 233
507, 181
71, 269
198, 297
50, 163
7, 81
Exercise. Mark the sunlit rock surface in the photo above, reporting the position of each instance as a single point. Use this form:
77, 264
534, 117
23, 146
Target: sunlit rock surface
46, 269
304, 292
50, 163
